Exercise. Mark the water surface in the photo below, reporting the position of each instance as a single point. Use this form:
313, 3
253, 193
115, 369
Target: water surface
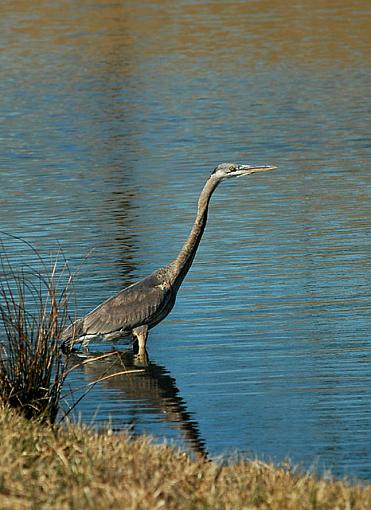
113, 115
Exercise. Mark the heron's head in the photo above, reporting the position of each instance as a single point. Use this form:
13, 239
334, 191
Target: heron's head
227, 170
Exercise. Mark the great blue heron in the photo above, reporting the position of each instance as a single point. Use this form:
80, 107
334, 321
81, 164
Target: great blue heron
141, 306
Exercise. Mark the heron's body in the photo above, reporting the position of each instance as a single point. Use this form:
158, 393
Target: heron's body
139, 307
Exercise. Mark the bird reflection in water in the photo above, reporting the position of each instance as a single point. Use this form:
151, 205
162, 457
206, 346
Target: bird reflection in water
137, 379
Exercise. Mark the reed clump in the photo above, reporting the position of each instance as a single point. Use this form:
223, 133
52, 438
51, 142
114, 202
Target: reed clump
33, 312
52, 467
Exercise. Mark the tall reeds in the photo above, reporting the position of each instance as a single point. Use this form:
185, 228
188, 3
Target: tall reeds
33, 313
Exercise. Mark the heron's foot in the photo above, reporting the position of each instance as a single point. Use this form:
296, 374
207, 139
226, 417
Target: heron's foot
141, 359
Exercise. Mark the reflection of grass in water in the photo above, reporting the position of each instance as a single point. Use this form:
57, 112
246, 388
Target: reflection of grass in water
75, 467
33, 312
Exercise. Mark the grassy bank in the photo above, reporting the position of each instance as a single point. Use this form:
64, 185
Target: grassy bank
43, 467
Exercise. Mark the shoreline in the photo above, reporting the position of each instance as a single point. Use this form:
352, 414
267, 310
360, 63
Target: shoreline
74, 467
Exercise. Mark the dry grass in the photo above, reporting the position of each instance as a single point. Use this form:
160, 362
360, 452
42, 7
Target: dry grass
42, 467
33, 312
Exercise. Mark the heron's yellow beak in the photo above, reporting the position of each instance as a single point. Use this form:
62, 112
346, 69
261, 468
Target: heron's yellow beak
252, 169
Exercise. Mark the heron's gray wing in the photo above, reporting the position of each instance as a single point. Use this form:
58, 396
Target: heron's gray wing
144, 302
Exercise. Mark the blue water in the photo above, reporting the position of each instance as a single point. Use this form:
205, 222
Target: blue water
113, 116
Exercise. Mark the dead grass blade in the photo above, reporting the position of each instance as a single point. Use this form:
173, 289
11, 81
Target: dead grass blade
33, 313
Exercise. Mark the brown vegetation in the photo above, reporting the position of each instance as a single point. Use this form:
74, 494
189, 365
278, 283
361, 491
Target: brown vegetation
33, 312
47, 467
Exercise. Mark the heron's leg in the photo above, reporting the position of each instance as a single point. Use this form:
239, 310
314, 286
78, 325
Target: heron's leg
140, 335
85, 344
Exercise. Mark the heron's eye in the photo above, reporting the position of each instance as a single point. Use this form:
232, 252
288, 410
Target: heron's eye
231, 168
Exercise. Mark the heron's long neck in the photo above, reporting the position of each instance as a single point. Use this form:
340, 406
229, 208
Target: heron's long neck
183, 262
